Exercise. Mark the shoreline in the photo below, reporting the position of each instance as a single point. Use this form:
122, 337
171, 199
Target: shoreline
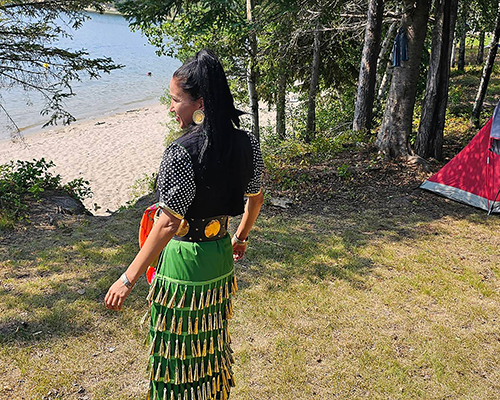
107, 10
38, 130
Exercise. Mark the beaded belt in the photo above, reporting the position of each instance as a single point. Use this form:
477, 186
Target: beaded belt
202, 229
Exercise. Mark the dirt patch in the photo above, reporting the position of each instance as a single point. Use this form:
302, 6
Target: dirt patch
54, 210
359, 179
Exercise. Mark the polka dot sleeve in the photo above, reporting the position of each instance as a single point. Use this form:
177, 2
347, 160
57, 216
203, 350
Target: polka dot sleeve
255, 185
176, 185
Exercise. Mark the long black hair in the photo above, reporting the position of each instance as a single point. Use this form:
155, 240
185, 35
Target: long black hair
203, 76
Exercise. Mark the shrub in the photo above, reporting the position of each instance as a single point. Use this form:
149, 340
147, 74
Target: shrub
141, 187
22, 180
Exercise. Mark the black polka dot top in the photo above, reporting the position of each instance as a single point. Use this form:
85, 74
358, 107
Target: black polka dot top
179, 181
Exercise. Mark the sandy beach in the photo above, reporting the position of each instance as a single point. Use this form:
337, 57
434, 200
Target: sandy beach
111, 152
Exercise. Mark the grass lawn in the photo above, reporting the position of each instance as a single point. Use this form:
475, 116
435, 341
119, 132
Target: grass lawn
387, 298
365, 288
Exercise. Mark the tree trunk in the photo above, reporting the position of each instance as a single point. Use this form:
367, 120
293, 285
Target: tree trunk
383, 86
480, 49
429, 141
281, 106
462, 36
368, 69
383, 81
313, 88
252, 72
461, 51
485, 78
383, 51
453, 52
392, 139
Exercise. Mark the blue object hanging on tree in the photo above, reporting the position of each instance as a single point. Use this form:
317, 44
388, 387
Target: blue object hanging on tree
400, 48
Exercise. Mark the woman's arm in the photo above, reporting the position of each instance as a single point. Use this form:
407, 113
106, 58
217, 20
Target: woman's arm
252, 210
162, 232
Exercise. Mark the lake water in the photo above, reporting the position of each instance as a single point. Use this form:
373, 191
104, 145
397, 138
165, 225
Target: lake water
104, 35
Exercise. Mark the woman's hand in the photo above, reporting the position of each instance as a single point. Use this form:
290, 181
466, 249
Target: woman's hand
238, 250
162, 232
252, 210
117, 293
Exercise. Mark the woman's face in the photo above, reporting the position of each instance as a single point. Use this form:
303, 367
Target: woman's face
182, 105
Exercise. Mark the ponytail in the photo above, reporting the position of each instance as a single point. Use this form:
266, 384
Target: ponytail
203, 76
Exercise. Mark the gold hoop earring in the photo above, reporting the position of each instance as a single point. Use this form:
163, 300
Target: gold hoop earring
198, 117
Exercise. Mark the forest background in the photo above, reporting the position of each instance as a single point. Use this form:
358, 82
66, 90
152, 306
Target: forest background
384, 66
337, 57
365, 287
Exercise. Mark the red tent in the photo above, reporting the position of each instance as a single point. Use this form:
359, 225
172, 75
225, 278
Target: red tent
473, 175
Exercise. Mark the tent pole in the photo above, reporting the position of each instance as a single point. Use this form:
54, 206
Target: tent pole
493, 203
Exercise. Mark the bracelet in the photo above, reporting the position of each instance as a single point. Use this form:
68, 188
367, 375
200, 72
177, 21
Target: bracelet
239, 241
125, 281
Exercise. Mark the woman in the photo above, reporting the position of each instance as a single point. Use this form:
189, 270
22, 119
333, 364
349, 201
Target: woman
203, 178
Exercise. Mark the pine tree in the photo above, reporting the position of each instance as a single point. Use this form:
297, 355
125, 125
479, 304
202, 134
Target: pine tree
31, 59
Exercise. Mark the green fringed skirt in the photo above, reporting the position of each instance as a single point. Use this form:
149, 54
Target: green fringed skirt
190, 353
